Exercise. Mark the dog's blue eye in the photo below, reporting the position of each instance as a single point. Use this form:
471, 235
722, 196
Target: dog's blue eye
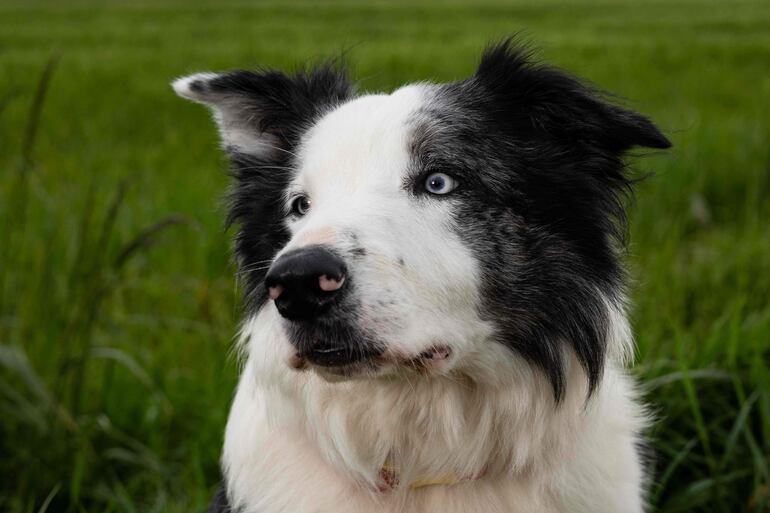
440, 183
300, 205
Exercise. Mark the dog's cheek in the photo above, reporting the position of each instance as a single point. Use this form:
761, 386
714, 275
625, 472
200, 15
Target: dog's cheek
433, 294
385, 305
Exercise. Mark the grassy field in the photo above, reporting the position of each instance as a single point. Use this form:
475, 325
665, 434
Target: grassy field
117, 298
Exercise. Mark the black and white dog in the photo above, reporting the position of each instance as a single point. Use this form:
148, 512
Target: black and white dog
435, 305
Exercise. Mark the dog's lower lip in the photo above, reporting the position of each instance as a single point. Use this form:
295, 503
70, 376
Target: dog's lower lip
329, 349
331, 356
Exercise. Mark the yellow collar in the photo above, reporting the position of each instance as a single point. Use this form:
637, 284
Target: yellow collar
389, 479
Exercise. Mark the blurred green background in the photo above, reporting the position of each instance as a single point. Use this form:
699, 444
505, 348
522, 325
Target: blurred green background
118, 303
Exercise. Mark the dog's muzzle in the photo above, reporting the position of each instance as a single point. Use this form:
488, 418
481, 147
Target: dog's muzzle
307, 285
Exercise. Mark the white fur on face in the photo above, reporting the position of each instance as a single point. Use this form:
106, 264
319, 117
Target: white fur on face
416, 281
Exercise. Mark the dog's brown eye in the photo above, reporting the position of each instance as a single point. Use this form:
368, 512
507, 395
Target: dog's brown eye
300, 205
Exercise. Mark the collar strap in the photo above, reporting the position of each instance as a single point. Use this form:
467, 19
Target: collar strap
389, 479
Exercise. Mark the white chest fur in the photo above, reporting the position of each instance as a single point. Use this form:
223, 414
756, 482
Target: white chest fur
297, 444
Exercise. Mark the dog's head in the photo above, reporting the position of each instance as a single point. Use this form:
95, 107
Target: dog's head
409, 231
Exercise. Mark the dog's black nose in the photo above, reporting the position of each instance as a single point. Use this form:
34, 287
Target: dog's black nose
304, 282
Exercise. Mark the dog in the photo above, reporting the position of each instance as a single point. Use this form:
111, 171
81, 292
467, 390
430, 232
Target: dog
435, 307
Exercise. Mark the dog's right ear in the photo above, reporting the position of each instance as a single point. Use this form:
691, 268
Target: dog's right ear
263, 113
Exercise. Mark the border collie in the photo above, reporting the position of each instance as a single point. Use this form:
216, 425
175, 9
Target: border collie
435, 310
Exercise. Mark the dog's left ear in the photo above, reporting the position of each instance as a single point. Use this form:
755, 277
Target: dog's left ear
263, 113
540, 99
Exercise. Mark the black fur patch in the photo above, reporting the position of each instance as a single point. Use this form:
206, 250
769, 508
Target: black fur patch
539, 158
282, 107
219, 503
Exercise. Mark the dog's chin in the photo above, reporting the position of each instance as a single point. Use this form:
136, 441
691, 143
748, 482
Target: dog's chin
355, 371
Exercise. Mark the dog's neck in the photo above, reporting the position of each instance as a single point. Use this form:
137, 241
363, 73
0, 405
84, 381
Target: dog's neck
442, 428
495, 417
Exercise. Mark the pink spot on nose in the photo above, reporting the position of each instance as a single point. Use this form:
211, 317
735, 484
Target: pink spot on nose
330, 284
275, 291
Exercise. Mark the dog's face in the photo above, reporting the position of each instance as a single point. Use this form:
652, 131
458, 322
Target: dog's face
377, 227
410, 231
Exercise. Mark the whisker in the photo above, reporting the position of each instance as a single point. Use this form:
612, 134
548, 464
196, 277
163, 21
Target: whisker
262, 143
252, 270
259, 262
279, 168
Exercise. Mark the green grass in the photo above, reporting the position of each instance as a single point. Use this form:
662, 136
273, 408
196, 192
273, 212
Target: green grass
117, 297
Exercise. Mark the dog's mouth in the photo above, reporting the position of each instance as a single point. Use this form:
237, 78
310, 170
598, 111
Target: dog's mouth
337, 349
336, 355
330, 356
331, 344
335, 362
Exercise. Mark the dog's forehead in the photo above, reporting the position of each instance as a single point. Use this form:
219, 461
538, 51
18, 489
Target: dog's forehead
367, 138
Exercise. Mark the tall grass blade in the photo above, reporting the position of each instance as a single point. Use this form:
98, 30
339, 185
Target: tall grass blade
738, 427
47, 501
664, 478
15, 360
36, 110
147, 237
111, 353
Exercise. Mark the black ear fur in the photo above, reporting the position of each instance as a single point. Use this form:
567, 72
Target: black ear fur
264, 108
557, 151
281, 105
546, 100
